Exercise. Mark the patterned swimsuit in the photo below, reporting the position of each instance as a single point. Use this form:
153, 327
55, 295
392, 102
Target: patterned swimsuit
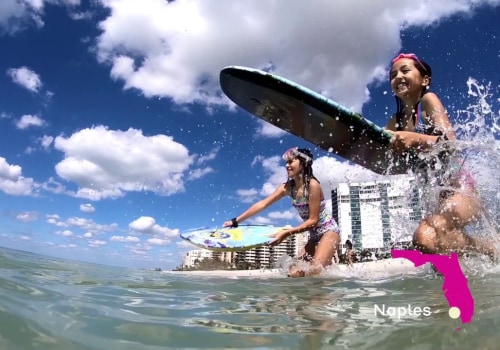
326, 222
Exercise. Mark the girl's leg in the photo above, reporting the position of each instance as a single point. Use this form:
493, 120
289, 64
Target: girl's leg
308, 251
322, 256
306, 254
444, 230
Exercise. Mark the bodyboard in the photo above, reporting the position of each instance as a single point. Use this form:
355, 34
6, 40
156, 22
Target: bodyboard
312, 117
243, 237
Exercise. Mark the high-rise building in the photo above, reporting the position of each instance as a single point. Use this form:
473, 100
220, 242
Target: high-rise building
193, 256
375, 214
266, 256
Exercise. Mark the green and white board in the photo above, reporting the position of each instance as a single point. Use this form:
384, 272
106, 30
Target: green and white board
312, 117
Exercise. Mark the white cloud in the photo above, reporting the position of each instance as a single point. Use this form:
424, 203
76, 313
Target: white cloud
290, 217
26, 78
45, 141
123, 239
12, 182
331, 171
275, 168
16, 15
90, 227
27, 216
266, 129
96, 195
53, 186
287, 215
81, 15
87, 208
262, 220
158, 241
95, 243
166, 48
106, 163
65, 233
176, 49
52, 217
148, 225
28, 120
248, 195
9, 172
211, 155
182, 244
199, 173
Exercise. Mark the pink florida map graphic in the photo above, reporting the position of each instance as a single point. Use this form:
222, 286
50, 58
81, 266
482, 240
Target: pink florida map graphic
455, 287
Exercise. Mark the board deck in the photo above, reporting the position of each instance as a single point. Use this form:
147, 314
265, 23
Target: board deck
243, 237
313, 117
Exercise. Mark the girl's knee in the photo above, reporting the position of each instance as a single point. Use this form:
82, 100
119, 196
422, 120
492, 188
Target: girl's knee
439, 223
425, 238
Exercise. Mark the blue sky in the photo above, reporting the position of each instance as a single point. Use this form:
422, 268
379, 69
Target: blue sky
115, 134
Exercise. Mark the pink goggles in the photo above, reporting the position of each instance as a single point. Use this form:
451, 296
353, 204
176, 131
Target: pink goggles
293, 153
410, 56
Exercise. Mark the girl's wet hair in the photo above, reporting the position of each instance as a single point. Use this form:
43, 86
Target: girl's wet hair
299, 153
421, 65
305, 156
307, 163
308, 154
424, 69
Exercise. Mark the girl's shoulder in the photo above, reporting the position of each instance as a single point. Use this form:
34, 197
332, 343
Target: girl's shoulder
314, 182
315, 187
430, 99
432, 107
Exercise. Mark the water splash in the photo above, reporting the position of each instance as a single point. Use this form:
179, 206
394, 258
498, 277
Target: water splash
478, 130
478, 124
477, 127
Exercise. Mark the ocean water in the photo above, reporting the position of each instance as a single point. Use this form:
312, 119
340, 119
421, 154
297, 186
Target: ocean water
49, 303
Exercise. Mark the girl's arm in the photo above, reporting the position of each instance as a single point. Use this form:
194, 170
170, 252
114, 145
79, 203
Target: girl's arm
433, 113
279, 193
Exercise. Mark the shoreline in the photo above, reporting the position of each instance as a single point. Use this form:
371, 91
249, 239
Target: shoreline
377, 269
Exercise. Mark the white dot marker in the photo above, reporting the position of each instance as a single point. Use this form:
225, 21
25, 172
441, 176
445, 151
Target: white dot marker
454, 312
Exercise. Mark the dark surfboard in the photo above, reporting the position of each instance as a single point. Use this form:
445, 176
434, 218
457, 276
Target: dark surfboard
312, 117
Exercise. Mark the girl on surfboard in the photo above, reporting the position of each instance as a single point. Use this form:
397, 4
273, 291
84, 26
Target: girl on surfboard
421, 123
308, 199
